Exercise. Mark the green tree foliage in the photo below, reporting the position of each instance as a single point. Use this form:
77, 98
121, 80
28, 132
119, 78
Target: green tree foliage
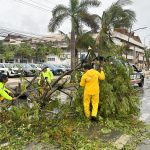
1, 47
84, 41
41, 50
7, 51
117, 97
78, 12
24, 128
147, 56
114, 17
24, 50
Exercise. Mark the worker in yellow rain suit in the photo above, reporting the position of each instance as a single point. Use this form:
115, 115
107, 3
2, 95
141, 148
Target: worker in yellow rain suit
90, 82
46, 77
5, 94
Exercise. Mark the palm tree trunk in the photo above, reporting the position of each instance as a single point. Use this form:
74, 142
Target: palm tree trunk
72, 45
76, 56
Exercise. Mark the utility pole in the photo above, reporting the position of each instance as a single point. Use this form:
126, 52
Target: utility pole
128, 42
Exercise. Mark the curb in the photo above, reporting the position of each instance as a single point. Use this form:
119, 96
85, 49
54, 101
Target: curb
119, 144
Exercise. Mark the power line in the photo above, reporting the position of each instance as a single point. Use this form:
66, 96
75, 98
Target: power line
50, 1
13, 31
33, 5
44, 6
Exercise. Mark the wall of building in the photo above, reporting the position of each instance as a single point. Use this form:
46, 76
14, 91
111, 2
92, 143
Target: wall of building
135, 53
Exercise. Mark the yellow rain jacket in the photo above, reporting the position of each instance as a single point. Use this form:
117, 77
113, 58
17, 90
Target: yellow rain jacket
48, 74
90, 80
4, 92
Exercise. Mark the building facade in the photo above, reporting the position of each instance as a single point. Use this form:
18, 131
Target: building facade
134, 53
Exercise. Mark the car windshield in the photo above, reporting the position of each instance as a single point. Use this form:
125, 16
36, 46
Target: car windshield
1, 66
50, 66
10, 65
57, 65
33, 65
26, 66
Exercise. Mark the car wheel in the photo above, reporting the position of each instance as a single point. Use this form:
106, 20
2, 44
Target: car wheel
141, 84
8, 74
25, 73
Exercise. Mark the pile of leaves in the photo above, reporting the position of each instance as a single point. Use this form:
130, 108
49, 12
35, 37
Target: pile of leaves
24, 128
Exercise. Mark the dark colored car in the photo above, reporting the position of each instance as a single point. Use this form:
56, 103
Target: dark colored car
56, 71
25, 69
137, 76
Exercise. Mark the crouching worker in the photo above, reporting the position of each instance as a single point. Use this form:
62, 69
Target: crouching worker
45, 79
5, 94
90, 82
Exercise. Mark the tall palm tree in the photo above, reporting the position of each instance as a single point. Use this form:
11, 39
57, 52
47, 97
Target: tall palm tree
84, 40
147, 56
114, 17
77, 11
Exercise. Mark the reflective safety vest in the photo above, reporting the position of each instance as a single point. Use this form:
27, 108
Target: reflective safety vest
4, 92
48, 75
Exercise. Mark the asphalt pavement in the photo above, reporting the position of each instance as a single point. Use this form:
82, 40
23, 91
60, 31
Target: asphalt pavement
144, 94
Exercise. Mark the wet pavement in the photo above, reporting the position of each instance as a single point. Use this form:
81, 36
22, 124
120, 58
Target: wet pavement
144, 94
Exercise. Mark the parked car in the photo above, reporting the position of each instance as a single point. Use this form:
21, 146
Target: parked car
12, 70
3, 69
137, 76
35, 67
67, 67
54, 69
25, 69
7, 69
62, 67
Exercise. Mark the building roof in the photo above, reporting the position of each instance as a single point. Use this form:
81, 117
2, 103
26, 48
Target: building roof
124, 35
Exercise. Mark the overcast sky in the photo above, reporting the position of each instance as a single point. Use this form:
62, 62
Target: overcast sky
18, 15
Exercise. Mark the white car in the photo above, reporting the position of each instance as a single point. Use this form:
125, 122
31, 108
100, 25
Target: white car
13, 70
3, 69
7, 69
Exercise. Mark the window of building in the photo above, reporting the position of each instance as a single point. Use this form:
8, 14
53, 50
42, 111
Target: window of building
10, 61
23, 60
51, 59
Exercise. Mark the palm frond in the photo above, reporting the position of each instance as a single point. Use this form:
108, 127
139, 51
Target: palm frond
116, 16
67, 38
55, 22
123, 2
131, 14
85, 40
91, 21
58, 10
125, 19
73, 5
89, 3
